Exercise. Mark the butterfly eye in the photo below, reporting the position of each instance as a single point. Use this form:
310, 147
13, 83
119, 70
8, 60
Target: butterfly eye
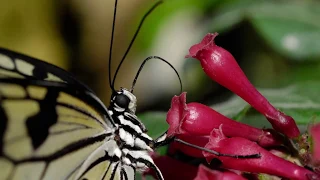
122, 101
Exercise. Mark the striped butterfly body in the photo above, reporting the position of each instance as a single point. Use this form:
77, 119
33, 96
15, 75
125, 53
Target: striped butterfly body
54, 127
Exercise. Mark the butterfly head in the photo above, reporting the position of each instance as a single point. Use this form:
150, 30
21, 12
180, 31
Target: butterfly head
124, 100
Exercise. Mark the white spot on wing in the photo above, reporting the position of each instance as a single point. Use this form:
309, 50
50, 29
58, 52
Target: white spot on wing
6, 62
24, 67
52, 77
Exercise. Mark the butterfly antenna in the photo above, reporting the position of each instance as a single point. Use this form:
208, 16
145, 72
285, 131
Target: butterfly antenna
144, 62
217, 153
111, 42
131, 42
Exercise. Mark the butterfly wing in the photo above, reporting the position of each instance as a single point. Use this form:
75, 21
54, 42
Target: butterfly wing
50, 123
16, 65
47, 127
100, 165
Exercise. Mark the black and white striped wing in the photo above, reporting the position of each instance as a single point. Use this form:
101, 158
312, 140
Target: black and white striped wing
16, 65
50, 123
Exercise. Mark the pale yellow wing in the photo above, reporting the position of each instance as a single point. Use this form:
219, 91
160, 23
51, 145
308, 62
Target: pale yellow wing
46, 130
50, 123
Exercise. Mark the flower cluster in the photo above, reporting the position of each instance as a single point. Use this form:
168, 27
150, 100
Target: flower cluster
202, 126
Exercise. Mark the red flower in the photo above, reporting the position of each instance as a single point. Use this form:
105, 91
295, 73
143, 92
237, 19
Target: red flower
205, 173
195, 119
315, 135
221, 67
198, 129
196, 140
268, 163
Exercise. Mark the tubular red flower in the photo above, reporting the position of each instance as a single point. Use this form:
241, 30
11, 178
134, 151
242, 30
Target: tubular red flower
190, 151
205, 173
221, 67
315, 135
268, 163
198, 120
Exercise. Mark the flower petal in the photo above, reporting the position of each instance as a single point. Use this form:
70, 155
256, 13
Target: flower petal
176, 114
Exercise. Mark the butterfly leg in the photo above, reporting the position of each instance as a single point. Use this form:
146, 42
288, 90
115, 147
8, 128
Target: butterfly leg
162, 140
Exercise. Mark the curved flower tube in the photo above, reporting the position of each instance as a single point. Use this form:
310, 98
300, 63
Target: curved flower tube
221, 67
196, 119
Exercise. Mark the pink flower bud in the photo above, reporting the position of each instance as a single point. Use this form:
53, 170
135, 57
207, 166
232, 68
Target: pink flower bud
205, 173
196, 119
221, 67
267, 163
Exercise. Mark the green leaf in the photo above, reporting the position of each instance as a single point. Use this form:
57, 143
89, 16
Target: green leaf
290, 28
294, 39
301, 101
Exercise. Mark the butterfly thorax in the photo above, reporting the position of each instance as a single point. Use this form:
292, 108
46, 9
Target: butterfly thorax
129, 145
130, 133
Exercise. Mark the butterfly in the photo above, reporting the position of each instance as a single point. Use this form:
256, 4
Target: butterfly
53, 126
